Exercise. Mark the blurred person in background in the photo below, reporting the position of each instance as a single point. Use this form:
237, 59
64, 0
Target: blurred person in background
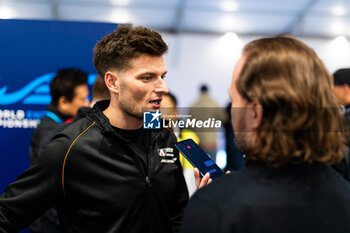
99, 91
342, 87
286, 119
203, 109
69, 92
341, 80
170, 112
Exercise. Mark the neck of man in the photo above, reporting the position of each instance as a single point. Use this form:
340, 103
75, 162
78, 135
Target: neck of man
346, 102
121, 119
64, 111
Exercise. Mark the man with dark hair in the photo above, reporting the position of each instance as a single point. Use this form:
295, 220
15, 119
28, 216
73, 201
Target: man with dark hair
286, 119
341, 80
69, 92
342, 87
105, 173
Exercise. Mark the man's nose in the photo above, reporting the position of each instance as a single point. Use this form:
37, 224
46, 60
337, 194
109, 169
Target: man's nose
161, 86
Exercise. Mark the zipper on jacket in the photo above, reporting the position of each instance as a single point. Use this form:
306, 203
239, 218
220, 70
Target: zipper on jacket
148, 181
148, 152
145, 172
149, 158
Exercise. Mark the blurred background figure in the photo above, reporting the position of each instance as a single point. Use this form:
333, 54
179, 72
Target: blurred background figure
69, 92
342, 92
99, 91
170, 112
203, 109
342, 87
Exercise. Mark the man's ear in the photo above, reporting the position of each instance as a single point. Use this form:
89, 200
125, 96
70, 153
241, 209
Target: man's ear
256, 115
62, 101
63, 104
112, 81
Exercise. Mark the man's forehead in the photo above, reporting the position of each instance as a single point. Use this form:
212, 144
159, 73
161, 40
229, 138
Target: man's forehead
238, 67
145, 58
232, 91
144, 65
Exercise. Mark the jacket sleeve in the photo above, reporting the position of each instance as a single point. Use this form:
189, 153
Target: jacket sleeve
181, 197
42, 136
35, 190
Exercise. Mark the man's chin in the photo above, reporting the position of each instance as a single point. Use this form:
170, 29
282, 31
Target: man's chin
241, 142
138, 116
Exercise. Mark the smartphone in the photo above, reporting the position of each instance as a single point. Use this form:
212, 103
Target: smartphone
198, 158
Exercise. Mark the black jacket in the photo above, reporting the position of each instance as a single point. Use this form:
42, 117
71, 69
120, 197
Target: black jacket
49, 124
52, 120
96, 179
258, 199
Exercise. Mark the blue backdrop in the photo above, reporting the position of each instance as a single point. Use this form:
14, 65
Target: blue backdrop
30, 54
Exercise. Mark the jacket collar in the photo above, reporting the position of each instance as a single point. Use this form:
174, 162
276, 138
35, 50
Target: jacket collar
61, 115
96, 114
102, 121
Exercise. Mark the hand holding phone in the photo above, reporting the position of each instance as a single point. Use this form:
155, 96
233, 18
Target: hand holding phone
199, 159
201, 181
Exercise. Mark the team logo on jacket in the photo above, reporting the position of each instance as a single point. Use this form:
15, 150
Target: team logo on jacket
167, 155
151, 120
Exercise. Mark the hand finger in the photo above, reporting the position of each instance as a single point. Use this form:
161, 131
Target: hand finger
197, 176
204, 180
228, 172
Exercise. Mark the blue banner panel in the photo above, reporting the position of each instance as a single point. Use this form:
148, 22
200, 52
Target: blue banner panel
30, 54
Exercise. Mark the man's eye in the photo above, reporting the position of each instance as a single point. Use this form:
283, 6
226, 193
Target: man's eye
164, 76
147, 78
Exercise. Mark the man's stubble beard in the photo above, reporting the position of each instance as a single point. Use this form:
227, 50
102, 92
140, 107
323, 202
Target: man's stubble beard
126, 108
129, 108
241, 139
